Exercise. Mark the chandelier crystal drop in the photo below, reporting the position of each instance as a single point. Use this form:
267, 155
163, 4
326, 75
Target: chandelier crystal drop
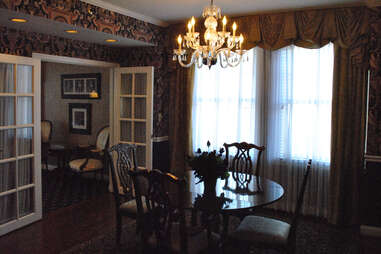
222, 45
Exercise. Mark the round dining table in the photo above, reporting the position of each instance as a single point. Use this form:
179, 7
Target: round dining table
237, 193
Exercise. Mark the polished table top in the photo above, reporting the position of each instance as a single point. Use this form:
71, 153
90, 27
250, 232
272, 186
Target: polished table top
230, 195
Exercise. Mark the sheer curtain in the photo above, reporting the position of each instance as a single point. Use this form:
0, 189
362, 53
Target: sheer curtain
280, 99
24, 115
7, 170
299, 124
224, 102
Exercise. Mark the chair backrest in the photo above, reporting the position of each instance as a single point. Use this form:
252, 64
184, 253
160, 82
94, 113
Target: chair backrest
299, 202
164, 196
46, 131
103, 138
242, 162
125, 162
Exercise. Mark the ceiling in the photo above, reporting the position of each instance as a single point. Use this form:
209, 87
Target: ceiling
162, 12
55, 28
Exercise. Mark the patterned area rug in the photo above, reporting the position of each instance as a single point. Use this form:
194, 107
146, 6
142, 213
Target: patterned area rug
313, 237
61, 188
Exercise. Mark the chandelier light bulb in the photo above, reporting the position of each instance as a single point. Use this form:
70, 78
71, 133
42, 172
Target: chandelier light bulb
234, 28
240, 41
224, 21
179, 40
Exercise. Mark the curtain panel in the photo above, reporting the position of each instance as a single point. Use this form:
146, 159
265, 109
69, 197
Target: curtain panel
348, 28
180, 106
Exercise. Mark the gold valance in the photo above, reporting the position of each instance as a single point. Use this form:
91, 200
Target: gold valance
312, 28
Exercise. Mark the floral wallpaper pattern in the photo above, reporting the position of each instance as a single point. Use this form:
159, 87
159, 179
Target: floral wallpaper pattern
77, 13
23, 43
374, 115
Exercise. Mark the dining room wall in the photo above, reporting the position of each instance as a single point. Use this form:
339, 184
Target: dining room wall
56, 109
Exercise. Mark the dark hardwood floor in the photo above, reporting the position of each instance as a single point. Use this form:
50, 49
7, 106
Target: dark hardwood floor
62, 229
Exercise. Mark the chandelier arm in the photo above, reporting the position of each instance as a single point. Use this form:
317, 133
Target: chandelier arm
198, 63
192, 61
184, 65
220, 56
237, 63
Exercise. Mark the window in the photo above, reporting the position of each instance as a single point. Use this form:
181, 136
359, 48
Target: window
224, 103
288, 111
301, 90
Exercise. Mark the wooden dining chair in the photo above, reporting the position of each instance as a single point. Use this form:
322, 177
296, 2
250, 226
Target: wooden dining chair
163, 225
121, 159
270, 233
241, 167
242, 162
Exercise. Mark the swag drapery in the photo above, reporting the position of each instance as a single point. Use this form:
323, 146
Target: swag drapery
348, 29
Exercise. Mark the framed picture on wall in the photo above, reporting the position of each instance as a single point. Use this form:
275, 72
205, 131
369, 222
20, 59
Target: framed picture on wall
80, 118
80, 86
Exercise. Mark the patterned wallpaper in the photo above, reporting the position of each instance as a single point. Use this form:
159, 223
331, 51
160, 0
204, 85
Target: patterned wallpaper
25, 43
374, 116
77, 13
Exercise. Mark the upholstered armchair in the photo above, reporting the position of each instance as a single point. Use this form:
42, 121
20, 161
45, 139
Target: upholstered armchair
46, 135
93, 159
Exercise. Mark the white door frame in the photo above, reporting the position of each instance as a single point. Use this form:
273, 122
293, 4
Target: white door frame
36, 155
89, 63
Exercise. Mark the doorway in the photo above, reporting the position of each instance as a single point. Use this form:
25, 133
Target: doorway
62, 185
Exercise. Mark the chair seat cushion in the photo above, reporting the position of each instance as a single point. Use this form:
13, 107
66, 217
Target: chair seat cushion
92, 164
130, 207
262, 230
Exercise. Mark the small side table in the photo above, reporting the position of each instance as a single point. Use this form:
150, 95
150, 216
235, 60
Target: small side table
60, 151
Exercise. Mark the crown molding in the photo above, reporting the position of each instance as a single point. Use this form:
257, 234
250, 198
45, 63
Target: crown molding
126, 12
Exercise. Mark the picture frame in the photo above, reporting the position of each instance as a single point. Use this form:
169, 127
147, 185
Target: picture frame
80, 118
79, 86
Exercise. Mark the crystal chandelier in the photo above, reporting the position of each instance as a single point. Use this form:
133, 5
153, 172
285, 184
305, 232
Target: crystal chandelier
230, 55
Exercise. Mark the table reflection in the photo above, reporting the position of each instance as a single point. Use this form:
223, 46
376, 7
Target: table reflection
234, 195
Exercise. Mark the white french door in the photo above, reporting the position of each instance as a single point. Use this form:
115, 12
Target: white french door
20, 142
133, 111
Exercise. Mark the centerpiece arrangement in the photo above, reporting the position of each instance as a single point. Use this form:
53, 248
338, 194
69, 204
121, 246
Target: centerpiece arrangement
208, 167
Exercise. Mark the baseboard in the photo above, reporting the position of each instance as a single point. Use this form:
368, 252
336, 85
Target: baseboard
160, 139
50, 167
372, 158
370, 231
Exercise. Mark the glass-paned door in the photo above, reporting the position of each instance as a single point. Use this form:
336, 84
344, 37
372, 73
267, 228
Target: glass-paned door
133, 109
20, 157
